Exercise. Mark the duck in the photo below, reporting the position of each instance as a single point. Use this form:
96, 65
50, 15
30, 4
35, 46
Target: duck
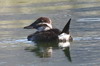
46, 33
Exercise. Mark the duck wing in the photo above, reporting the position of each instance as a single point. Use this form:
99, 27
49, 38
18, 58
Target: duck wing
45, 36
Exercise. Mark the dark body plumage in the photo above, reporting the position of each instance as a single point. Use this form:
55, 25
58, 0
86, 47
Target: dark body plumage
44, 36
46, 33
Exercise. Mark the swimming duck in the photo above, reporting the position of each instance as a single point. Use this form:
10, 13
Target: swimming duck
45, 32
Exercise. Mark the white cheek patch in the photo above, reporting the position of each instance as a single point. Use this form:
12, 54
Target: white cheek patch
64, 36
40, 28
49, 25
47, 28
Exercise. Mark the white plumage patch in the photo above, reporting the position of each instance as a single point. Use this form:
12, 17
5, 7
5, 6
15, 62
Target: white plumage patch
64, 36
64, 44
49, 25
42, 28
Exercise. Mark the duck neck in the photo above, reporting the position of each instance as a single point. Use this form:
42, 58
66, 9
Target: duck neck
43, 29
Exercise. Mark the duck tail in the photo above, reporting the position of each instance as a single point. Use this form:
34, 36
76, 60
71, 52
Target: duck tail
66, 28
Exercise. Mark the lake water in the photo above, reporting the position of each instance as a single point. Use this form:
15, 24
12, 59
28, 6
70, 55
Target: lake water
85, 29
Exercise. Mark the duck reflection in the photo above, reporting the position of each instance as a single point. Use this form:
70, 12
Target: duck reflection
67, 53
65, 46
45, 50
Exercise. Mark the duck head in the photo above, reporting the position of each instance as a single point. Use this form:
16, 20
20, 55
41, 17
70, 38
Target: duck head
41, 24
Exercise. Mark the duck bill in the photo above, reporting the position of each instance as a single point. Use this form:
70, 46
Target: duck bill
28, 27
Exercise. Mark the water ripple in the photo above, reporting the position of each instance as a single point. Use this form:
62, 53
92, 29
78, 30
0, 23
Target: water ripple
88, 19
29, 42
86, 38
16, 41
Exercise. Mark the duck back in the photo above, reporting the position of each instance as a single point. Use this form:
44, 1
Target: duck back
44, 36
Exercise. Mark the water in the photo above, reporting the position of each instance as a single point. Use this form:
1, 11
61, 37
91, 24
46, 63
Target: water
85, 29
